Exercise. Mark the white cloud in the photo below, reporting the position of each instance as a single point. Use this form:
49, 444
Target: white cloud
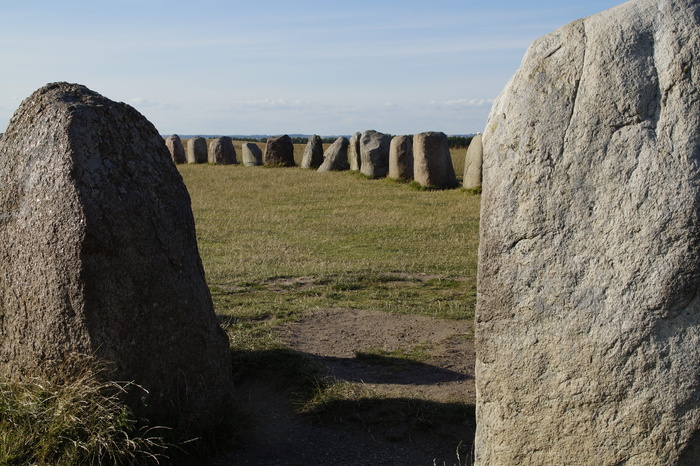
461, 103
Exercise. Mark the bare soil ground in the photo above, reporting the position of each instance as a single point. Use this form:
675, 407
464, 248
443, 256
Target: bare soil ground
337, 339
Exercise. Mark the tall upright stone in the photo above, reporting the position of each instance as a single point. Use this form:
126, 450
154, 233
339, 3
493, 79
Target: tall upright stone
251, 155
432, 162
473, 163
374, 154
336, 156
176, 149
354, 157
99, 256
197, 151
401, 158
279, 152
588, 313
313, 153
221, 151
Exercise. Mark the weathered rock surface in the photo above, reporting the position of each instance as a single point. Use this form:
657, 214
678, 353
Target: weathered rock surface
221, 151
336, 156
313, 153
588, 314
374, 154
432, 163
99, 256
354, 158
401, 158
251, 155
177, 150
473, 163
197, 151
279, 152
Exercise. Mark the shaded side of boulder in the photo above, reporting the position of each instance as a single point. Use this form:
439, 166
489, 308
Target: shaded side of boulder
221, 151
588, 316
432, 163
354, 157
313, 153
473, 163
401, 158
251, 155
197, 151
374, 154
99, 256
176, 149
336, 156
279, 152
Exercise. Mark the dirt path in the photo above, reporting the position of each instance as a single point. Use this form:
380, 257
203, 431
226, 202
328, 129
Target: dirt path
335, 338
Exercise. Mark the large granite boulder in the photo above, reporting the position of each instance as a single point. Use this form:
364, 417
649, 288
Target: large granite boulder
313, 153
279, 152
197, 151
354, 158
99, 256
336, 156
221, 151
432, 162
251, 155
401, 158
374, 154
588, 314
176, 149
473, 163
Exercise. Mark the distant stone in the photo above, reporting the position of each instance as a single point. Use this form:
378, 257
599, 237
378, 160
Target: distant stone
473, 163
99, 257
401, 158
176, 149
197, 151
279, 152
432, 163
336, 156
221, 151
313, 153
588, 316
354, 157
374, 152
251, 155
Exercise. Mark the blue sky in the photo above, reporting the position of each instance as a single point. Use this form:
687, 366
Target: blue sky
274, 67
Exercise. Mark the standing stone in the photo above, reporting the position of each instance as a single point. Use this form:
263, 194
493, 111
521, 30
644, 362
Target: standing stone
251, 155
432, 163
221, 151
177, 150
374, 154
197, 151
588, 316
473, 163
401, 158
354, 157
279, 152
313, 153
99, 256
336, 156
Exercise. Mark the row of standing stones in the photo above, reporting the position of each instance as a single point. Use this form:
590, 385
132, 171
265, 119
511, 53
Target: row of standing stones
424, 158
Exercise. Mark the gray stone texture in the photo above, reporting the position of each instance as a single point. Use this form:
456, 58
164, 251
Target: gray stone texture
432, 163
279, 152
197, 151
251, 155
313, 153
99, 256
473, 163
588, 314
374, 154
176, 149
336, 156
401, 158
221, 151
354, 157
